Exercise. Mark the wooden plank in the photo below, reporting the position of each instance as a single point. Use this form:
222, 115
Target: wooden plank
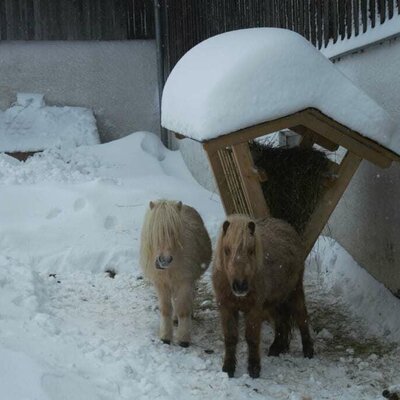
334, 20
356, 14
250, 180
351, 140
220, 180
306, 9
234, 181
372, 11
390, 8
317, 122
319, 24
246, 134
315, 137
329, 200
326, 22
364, 15
301, 26
349, 19
313, 26
382, 10
342, 18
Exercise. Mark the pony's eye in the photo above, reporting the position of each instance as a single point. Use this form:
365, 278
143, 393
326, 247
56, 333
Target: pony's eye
227, 251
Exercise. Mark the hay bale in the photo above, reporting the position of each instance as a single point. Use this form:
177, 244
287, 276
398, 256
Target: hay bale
295, 180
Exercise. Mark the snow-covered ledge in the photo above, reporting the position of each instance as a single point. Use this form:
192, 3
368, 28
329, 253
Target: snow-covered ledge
389, 30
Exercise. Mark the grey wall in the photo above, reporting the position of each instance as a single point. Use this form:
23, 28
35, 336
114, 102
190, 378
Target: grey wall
116, 79
367, 220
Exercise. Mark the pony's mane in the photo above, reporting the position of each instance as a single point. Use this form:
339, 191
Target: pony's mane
238, 232
162, 227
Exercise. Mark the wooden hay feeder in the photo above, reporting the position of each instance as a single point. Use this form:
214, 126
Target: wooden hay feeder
238, 180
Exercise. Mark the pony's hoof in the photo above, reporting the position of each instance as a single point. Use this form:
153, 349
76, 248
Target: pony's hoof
229, 369
276, 350
308, 352
166, 341
254, 371
184, 344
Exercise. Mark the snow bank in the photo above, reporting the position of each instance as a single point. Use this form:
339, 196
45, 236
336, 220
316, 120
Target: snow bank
365, 296
48, 199
245, 77
68, 331
30, 125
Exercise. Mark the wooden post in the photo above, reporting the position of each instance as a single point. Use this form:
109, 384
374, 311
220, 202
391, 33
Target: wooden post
329, 200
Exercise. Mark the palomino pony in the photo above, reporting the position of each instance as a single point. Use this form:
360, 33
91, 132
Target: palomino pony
175, 250
258, 269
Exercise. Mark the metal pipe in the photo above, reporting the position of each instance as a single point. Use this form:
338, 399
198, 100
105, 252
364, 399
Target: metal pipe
160, 62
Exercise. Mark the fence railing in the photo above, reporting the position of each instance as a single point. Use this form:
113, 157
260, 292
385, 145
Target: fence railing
76, 19
185, 23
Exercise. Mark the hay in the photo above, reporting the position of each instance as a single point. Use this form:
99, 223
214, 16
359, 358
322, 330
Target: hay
295, 180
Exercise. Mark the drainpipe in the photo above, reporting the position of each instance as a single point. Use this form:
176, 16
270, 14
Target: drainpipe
158, 16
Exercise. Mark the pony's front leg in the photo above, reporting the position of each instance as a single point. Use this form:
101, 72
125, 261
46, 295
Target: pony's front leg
164, 298
229, 319
183, 300
253, 331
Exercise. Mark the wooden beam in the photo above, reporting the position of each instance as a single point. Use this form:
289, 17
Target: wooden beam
179, 136
351, 140
329, 200
250, 181
252, 132
311, 136
330, 134
220, 181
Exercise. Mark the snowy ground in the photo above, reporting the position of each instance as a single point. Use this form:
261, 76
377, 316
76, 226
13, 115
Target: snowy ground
70, 331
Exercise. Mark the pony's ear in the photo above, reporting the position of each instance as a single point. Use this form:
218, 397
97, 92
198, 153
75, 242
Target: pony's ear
151, 205
225, 226
252, 227
179, 205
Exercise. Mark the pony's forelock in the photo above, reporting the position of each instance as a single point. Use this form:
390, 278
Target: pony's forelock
162, 227
238, 233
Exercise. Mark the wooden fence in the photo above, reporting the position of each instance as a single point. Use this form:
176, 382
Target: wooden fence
76, 19
185, 23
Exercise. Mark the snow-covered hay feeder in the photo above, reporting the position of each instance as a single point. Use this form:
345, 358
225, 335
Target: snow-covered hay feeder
240, 85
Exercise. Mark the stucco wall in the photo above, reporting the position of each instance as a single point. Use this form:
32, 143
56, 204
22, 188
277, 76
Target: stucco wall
116, 79
367, 219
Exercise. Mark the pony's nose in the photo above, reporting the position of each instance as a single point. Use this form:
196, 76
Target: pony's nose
240, 287
164, 261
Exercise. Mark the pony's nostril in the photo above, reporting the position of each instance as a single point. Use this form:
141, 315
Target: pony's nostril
164, 261
240, 286
168, 260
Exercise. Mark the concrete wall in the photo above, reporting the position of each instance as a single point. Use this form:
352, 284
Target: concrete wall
367, 219
116, 79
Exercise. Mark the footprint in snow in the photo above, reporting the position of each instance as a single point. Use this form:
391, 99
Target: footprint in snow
53, 213
79, 204
110, 222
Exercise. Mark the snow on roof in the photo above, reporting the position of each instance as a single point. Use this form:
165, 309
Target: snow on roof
241, 78
30, 125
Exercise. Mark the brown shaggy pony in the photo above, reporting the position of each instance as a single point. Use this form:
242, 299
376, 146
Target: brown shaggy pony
258, 269
175, 250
